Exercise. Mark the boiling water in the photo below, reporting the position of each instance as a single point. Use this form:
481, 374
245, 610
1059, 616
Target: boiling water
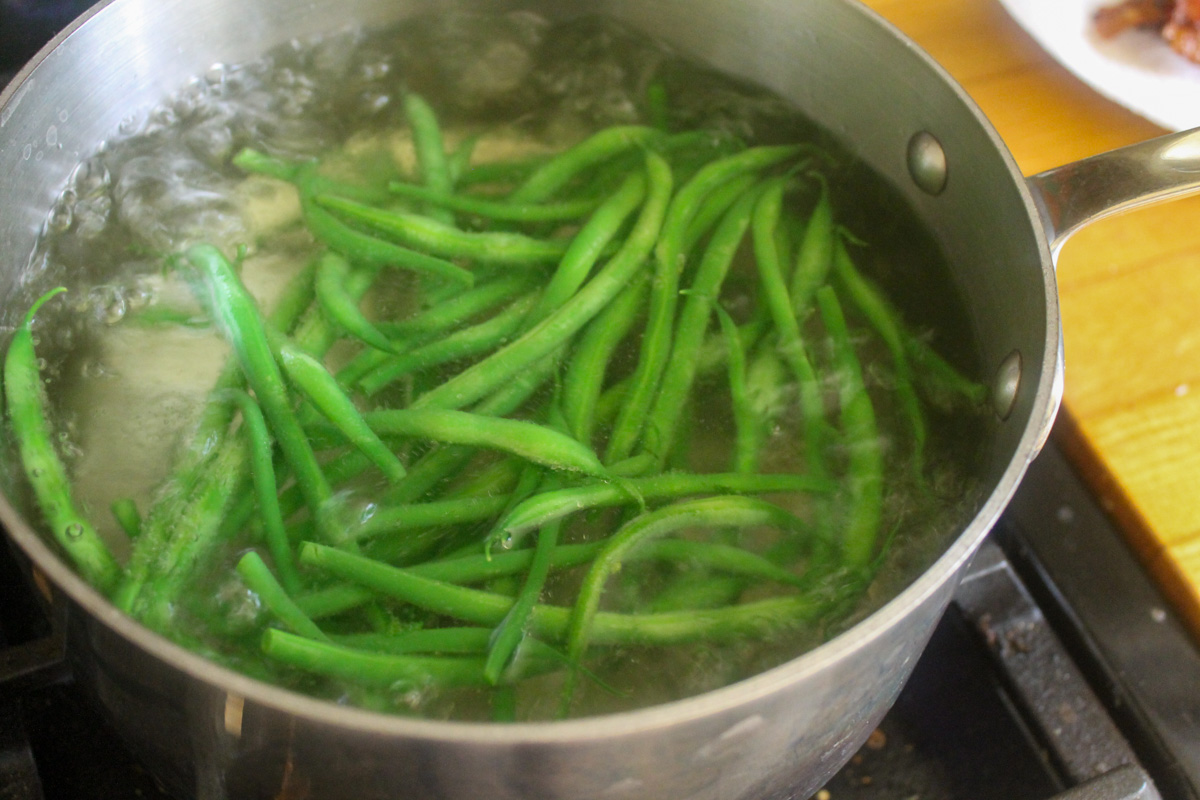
126, 392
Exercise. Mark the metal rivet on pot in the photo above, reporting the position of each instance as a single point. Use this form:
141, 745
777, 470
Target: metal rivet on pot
927, 162
1008, 381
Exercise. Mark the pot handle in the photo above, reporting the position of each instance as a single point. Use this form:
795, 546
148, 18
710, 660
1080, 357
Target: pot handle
1073, 195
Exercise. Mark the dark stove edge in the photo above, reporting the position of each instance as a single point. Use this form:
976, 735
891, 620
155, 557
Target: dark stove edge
1111, 616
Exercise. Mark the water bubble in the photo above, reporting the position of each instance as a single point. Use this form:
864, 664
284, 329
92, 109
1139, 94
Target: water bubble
215, 74
74, 530
90, 177
212, 141
161, 119
62, 216
373, 102
375, 70
36, 472
109, 303
91, 216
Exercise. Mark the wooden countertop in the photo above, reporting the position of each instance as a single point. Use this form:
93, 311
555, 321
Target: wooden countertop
1129, 287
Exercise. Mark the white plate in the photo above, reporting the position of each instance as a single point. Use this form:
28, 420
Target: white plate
1136, 69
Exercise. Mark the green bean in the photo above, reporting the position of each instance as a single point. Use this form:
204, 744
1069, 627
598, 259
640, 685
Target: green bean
511, 630
791, 345
680, 372
712, 511
181, 523
714, 207
237, 316
480, 568
725, 558
458, 640
321, 389
333, 600
459, 161
530, 478
266, 490
657, 107
747, 446
766, 384
127, 515
463, 306
363, 248
714, 354
550, 334
695, 590
152, 316
431, 153
467, 342
259, 579
865, 452
814, 260
342, 309
501, 210
250, 160
550, 623
502, 172
438, 318
156, 574
414, 516
473, 569
25, 397
546, 507
873, 305
783, 241
445, 461
439, 239
533, 442
597, 148
337, 470
669, 258
498, 479
940, 375
589, 363
387, 671
588, 245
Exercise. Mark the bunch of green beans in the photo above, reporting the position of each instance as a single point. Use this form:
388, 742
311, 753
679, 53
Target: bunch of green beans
628, 405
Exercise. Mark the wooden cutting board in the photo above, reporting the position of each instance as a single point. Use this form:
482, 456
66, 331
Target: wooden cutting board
1129, 287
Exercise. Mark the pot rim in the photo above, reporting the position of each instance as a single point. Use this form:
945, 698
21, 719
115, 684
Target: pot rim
657, 717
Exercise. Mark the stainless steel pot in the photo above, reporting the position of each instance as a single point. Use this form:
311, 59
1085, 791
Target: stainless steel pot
212, 733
